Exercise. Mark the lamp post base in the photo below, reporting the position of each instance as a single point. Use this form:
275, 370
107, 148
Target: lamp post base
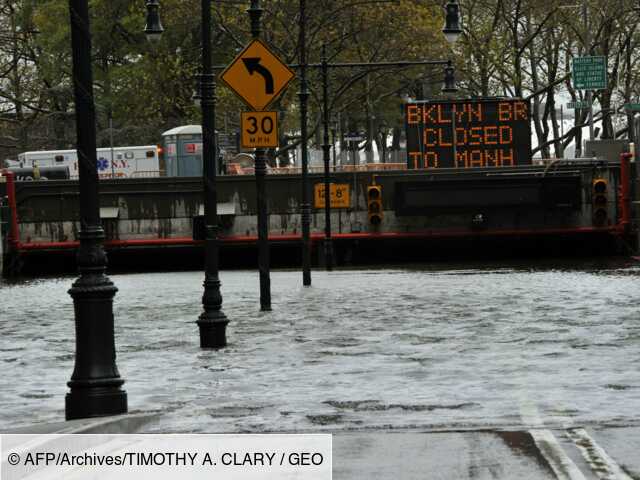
95, 402
213, 332
95, 385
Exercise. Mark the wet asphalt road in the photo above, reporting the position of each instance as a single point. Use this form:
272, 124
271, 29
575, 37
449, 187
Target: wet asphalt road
517, 348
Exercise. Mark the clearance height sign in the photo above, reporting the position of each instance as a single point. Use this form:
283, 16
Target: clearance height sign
486, 133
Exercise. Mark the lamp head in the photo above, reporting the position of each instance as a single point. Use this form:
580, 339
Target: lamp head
449, 79
452, 28
153, 29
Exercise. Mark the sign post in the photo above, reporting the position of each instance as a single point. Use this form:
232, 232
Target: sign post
258, 77
589, 73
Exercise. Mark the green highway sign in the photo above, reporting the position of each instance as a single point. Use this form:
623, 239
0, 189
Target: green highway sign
578, 104
590, 73
632, 107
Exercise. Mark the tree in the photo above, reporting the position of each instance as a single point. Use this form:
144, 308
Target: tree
514, 47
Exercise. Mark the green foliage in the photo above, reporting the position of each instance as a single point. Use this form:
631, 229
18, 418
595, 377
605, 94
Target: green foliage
148, 88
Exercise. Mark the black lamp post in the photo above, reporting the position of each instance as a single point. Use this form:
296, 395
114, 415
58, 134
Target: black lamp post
305, 207
212, 322
326, 154
95, 383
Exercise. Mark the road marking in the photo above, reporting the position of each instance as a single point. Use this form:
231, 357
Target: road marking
548, 446
600, 462
558, 460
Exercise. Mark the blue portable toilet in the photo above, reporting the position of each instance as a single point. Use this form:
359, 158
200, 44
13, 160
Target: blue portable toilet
183, 151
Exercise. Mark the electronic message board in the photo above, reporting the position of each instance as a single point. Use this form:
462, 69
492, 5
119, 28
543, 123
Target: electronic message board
468, 133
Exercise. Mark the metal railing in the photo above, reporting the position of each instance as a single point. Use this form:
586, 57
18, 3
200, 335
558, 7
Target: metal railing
237, 169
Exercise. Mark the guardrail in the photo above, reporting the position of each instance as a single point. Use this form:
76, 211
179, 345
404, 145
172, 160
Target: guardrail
147, 174
237, 169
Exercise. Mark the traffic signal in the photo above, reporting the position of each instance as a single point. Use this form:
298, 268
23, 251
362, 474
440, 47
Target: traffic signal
374, 204
599, 202
162, 163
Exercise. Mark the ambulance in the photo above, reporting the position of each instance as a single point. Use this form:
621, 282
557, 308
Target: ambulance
116, 162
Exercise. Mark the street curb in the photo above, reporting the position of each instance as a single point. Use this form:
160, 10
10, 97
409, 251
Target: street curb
118, 424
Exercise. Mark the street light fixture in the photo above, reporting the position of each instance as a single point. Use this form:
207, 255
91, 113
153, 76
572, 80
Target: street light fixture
452, 28
449, 79
153, 29
212, 322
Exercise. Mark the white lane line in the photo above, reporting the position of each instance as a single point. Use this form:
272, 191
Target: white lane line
558, 460
599, 461
548, 446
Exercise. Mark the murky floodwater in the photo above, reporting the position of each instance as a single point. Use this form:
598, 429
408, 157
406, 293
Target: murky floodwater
403, 347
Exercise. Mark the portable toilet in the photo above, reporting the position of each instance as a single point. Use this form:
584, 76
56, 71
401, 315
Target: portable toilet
183, 151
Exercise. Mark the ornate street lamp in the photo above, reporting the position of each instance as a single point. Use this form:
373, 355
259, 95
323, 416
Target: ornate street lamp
452, 28
95, 383
449, 85
153, 29
212, 322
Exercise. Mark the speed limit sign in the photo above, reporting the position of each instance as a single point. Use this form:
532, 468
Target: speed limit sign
259, 129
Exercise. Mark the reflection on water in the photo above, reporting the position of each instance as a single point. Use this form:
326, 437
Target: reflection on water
404, 347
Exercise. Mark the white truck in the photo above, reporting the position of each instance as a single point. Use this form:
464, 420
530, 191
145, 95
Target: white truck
119, 162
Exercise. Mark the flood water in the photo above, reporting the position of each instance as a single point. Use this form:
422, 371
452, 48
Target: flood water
450, 346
